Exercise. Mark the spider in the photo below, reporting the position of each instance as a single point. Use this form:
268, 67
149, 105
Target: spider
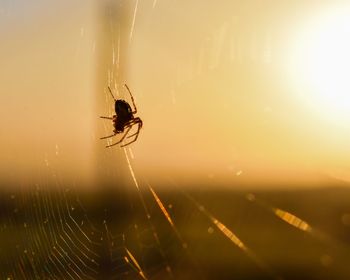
123, 119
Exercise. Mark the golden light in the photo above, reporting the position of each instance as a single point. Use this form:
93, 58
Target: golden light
320, 64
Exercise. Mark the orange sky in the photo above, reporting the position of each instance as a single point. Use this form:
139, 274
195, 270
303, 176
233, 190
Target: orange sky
211, 81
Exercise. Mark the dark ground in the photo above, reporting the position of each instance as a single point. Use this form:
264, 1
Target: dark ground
115, 234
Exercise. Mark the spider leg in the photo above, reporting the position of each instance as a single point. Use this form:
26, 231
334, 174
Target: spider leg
127, 144
108, 118
133, 134
111, 93
132, 141
109, 136
139, 122
132, 99
121, 139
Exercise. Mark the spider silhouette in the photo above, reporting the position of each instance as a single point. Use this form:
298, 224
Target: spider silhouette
123, 119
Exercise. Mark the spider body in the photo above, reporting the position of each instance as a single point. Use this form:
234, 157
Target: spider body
124, 119
123, 115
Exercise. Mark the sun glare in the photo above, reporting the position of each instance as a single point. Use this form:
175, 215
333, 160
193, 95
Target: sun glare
321, 65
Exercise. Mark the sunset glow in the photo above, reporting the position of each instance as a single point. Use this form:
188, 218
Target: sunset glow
321, 62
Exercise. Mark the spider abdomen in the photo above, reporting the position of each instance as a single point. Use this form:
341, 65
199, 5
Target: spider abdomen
124, 114
122, 108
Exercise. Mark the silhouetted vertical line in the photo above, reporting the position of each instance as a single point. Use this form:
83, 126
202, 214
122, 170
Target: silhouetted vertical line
111, 47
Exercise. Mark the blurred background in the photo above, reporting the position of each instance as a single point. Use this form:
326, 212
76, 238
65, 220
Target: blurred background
246, 118
223, 87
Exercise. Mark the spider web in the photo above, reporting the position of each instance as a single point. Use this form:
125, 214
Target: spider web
49, 234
